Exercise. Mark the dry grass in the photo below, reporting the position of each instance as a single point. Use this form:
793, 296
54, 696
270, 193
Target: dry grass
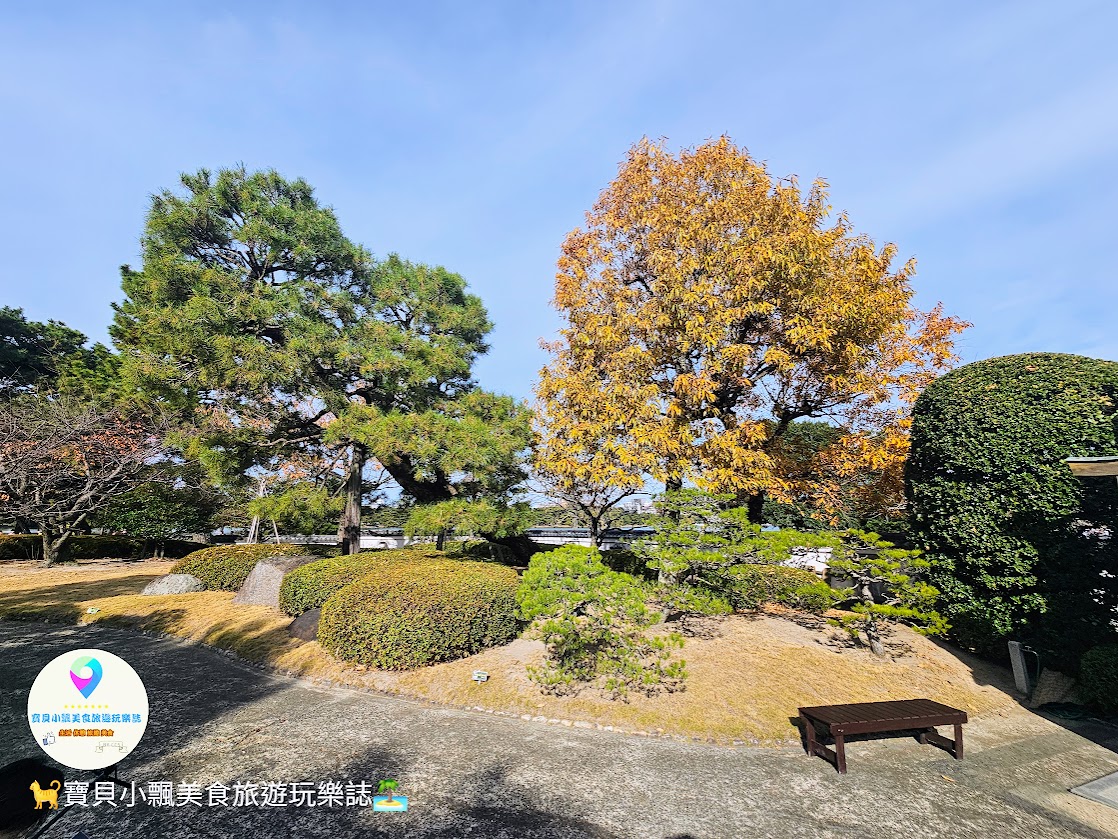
747, 674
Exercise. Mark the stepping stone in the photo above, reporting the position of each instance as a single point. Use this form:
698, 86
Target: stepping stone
262, 586
174, 584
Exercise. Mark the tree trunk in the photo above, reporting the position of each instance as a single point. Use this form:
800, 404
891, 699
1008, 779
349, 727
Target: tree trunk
876, 645
354, 491
440, 540
755, 507
253, 537
55, 547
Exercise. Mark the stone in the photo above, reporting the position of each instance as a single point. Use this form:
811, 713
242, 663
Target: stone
1053, 686
174, 584
305, 627
262, 587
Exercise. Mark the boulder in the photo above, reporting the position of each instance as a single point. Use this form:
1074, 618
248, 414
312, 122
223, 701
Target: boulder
174, 584
305, 627
262, 587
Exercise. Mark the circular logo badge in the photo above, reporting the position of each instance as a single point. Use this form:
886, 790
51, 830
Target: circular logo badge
87, 709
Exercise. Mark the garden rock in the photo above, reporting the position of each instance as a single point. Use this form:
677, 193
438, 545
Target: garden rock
174, 584
263, 584
305, 627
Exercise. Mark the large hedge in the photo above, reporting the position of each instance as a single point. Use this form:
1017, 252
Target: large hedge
1017, 544
408, 614
226, 567
311, 585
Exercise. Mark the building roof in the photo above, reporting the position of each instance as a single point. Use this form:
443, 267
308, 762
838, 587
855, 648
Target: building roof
1090, 467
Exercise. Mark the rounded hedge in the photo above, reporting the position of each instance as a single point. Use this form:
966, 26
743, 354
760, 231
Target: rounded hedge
226, 567
309, 586
1010, 533
750, 586
408, 614
1098, 677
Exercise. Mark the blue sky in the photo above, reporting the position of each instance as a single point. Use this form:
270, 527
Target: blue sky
982, 138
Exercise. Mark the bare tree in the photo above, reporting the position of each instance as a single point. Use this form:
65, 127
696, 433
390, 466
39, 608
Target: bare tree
591, 502
62, 460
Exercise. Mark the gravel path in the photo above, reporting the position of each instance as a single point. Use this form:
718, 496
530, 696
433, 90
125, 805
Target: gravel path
215, 719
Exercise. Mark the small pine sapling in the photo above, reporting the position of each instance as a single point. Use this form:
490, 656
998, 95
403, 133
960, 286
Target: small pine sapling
886, 589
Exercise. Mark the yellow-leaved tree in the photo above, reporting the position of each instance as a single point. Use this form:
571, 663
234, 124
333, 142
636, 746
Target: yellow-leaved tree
709, 307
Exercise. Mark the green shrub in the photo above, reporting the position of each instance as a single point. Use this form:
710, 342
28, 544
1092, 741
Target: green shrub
1010, 533
750, 586
484, 550
1098, 677
629, 562
225, 567
407, 614
127, 547
311, 585
594, 622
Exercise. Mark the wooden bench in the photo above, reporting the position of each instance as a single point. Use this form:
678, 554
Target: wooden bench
918, 715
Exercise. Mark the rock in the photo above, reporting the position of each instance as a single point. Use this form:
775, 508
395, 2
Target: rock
263, 584
305, 627
174, 584
1053, 686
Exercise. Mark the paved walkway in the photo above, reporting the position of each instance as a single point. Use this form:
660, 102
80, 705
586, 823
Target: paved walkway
471, 774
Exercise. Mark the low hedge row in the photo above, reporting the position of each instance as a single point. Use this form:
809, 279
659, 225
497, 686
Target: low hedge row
310, 585
750, 586
225, 567
30, 546
408, 614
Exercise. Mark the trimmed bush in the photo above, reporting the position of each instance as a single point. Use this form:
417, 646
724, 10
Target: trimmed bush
1015, 541
1098, 677
125, 547
30, 546
20, 546
311, 585
225, 567
408, 614
751, 586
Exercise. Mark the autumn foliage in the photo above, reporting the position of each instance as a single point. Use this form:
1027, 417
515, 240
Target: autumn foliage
708, 307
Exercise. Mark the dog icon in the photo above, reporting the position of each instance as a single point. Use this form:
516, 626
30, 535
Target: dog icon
46, 796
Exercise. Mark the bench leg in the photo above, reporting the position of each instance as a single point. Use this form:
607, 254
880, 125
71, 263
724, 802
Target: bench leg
814, 747
955, 747
809, 735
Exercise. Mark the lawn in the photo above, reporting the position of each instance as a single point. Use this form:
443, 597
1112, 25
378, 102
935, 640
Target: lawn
748, 673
